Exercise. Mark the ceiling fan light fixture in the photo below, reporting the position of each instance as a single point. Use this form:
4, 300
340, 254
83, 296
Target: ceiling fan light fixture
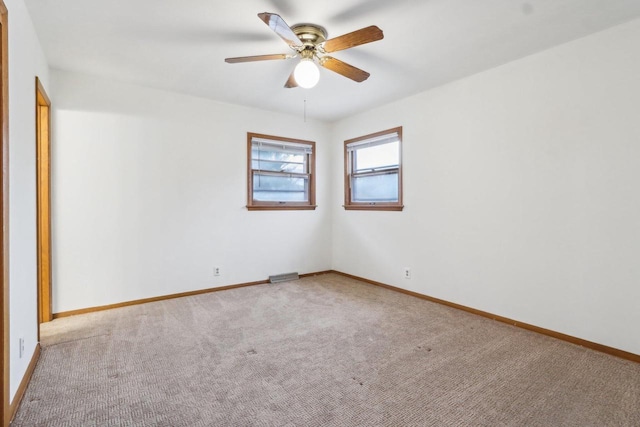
306, 73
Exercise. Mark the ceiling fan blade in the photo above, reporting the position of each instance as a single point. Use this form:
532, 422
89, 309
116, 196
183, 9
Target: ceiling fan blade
277, 24
257, 58
349, 71
291, 82
356, 38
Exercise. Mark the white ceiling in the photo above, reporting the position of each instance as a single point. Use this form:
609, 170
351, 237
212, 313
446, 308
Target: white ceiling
180, 45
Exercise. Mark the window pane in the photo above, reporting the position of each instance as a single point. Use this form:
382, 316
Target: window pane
277, 166
376, 188
377, 157
280, 188
277, 161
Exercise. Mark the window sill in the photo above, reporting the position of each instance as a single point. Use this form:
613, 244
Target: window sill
368, 207
282, 208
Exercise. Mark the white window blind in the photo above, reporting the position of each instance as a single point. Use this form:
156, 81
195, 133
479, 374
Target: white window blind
372, 142
284, 147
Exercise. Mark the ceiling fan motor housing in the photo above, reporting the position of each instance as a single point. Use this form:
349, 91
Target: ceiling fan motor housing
310, 34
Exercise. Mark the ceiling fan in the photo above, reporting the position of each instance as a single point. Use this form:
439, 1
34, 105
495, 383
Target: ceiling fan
309, 43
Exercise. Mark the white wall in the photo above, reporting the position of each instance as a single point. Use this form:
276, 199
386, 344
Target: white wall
149, 194
522, 192
26, 61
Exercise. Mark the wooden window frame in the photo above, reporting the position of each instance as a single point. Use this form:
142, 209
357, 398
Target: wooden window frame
256, 205
349, 166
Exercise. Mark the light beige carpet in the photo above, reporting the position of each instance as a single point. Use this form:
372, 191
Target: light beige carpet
321, 351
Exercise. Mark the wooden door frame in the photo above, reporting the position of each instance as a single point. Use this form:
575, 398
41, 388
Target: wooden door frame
4, 215
43, 202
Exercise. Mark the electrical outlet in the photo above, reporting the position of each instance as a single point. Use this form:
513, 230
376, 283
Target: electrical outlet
21, 347
407, 273
216, 271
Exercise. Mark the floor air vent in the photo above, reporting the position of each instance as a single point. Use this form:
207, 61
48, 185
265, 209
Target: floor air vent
283, 277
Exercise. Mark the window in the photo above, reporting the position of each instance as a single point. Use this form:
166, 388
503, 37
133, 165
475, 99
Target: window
281, 173
373, 171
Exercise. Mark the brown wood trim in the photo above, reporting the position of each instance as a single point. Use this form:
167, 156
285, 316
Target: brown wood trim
558, 335
25, 381
5, 415
374, 207
317, 273
170, 296
43, 202
292, 206
153, 299
41, 95
282, 208
348, 204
